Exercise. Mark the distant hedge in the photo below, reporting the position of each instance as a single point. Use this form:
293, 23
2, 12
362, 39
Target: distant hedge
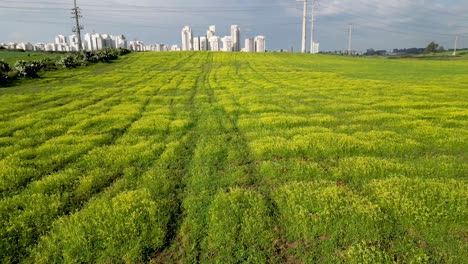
31, 69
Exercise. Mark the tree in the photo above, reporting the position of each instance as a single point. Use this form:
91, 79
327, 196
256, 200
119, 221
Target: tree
432, 48
370, 52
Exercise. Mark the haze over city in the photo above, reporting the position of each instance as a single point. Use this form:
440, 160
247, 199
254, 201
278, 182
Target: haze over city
376, 24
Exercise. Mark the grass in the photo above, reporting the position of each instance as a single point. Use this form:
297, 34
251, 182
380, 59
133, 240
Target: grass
11, 57
227, 158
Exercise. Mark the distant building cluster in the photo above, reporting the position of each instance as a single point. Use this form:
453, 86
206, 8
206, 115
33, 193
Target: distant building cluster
67, 44
96, 41
62, 43
92, 41
212, 42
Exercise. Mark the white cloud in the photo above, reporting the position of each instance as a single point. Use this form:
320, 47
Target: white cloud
279, 20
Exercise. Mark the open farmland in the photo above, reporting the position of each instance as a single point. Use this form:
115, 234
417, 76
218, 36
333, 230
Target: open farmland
11, 57
229, 158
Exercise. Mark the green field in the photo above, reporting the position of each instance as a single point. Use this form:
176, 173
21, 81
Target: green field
233, 158
11, 57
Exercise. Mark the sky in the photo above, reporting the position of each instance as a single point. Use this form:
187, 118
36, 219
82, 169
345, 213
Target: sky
376, 24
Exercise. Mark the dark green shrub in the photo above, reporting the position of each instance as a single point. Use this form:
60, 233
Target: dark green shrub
28, 69
4, 70
107, 55
48, 64
67, 61
123, 51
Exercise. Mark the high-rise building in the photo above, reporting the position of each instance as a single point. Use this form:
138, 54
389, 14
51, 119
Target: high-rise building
203, 43
196, 43
235, 37
249, 45
137, 45
88, 42
187, 38
260, 44
215, 43
98, 42
211, 32
26, 46
61, 39
107, 41
227, 44
73, 40
315, 48
120, 41
39, 47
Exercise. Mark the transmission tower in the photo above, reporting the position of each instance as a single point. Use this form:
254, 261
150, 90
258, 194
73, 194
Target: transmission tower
304, 26
350, 35
77, 28
455, 46
312, 27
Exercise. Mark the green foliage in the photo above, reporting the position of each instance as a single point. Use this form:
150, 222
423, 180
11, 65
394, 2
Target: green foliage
4, 70
239, 229
107, 55
121, 230
433, 48
229, 158
67, 61
321, 217
28, 69
48, 64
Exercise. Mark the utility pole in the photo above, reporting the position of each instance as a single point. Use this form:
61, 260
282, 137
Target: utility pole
304, 26
350, 33
77, 28
455, 48
312, 27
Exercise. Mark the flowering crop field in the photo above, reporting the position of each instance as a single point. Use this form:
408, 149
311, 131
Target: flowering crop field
236, 157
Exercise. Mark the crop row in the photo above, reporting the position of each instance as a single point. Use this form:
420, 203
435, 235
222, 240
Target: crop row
228, 158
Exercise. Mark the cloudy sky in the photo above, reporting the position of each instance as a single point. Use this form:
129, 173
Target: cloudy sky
376, 24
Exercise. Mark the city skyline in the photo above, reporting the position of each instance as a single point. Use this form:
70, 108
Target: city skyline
212, 42
393, 24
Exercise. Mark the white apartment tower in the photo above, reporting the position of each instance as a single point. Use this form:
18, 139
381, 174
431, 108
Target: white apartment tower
88, 42
98, 42
61, 40
196, 43
260, 44
215, 43
187, 38
235, 37
249, 45
73, 40
119, 41
203, 43
107, 41
227, 44
211, 32
315, 48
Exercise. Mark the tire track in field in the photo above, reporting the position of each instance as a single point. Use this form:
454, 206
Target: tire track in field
258, 184
180, 168
209, 172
